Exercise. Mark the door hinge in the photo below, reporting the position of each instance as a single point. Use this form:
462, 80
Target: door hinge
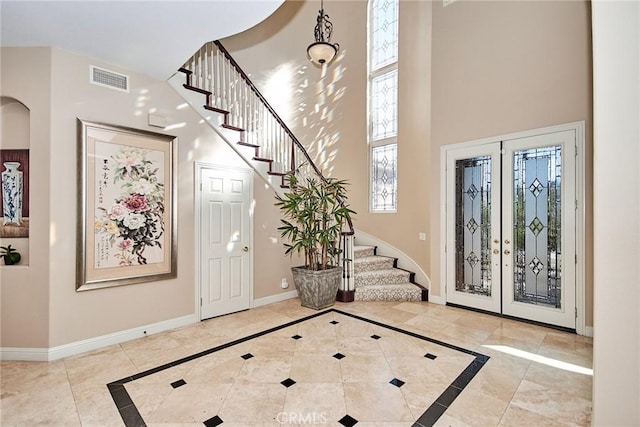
576, 312
200, 301
575, 258
200, 186
576, 205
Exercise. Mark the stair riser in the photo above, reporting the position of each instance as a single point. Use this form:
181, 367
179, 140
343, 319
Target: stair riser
379, 295
381, 279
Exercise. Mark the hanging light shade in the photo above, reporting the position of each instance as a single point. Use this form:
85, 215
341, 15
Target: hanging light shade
322, 51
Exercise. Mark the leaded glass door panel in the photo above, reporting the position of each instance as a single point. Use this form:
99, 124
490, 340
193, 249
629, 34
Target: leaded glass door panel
473, 259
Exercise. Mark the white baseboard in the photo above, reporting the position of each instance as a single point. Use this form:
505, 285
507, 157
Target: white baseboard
588, 331
274, 298
26, 354
71, 349
436, 299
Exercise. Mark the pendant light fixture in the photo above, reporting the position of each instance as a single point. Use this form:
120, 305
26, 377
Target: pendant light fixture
322, 51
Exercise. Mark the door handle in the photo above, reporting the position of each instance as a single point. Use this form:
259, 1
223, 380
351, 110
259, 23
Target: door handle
496, 241
496, 251
507, 251
506, 242
245, 249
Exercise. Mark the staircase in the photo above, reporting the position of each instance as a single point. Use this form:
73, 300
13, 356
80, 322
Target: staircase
223, 95
377, 278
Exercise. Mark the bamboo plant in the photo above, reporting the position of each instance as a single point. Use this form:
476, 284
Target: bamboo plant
314, 216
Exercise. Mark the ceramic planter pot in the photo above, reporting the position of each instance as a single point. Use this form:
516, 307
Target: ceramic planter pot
317, 289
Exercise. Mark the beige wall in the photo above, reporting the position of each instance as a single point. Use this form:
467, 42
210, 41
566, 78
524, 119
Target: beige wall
327, 110
471, 70
40, 307
616, 343
501, 67
24, 289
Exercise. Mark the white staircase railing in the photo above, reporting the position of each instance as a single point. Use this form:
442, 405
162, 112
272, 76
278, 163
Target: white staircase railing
214, 73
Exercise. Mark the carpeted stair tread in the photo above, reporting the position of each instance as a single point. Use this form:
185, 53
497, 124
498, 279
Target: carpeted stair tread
361, 251
389, 292
372, 263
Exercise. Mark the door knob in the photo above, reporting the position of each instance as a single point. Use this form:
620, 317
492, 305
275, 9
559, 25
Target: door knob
245, 249
506, 242
507, 251
496, 251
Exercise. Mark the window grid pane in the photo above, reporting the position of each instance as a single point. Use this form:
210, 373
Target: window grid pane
384, 160
384, 107
384, 33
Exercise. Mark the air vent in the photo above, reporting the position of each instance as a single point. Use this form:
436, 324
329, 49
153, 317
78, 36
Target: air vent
107, 78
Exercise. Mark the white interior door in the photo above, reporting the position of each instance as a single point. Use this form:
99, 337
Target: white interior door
225, 241
511, 227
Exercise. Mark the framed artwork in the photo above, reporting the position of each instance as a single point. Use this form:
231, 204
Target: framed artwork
126, 207
15, 193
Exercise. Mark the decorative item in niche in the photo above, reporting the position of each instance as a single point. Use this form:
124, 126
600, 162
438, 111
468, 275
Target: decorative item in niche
15, 193
126, 211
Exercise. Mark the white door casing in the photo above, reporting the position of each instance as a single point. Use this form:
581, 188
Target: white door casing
224, 230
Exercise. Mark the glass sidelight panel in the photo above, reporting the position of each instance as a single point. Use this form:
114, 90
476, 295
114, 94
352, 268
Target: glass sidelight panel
473, 225
537, 226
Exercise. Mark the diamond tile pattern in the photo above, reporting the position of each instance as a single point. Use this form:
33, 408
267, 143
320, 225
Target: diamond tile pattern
343, 362
221, 386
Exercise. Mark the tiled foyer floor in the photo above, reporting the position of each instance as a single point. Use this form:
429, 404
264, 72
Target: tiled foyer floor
242, 384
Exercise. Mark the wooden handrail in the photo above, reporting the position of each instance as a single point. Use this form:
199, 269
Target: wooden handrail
281, 122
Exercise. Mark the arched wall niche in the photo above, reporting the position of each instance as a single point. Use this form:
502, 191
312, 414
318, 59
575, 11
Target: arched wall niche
15, 122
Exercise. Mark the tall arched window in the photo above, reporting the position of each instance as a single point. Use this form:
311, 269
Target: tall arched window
383, 104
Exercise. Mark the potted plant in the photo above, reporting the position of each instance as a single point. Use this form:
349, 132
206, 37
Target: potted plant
11, 255
315, 214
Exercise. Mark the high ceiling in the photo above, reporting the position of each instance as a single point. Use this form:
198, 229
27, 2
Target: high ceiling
151, 37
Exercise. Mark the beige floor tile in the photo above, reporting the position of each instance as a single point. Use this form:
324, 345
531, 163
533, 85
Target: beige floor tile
51, 407
361, 369
364, 402
253, 403
322, 402
315, 369
508, 390
555, 403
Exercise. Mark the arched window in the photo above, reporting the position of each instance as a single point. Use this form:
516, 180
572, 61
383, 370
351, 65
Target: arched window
383, 104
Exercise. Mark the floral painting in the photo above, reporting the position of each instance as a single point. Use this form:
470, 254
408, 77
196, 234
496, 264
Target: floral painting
128, 218
129, 224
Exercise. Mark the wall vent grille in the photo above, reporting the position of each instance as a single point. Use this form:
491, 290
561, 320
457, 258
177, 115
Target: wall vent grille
110, 79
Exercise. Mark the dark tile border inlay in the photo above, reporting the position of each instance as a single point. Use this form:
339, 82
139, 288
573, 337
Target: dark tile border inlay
339, 356
376, 337
132, 418
430, 356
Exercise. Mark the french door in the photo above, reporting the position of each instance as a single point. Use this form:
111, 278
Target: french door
511, 227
